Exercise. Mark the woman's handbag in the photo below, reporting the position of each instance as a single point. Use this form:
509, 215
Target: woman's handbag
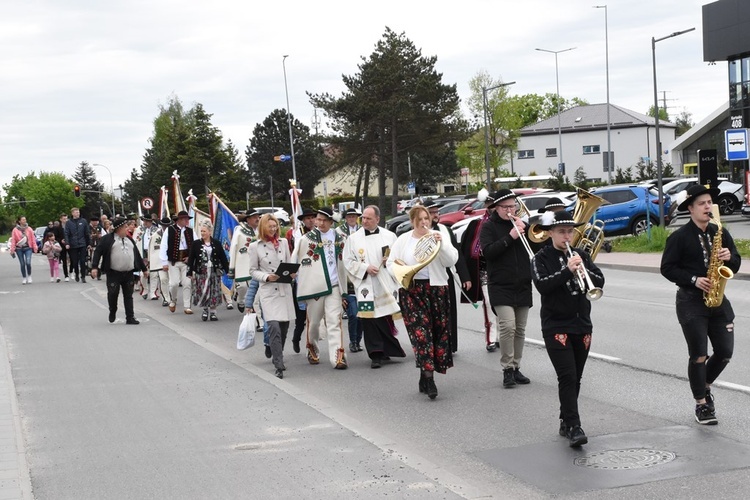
246, 335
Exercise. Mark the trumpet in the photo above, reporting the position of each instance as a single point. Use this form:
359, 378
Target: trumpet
584, 280
520, 212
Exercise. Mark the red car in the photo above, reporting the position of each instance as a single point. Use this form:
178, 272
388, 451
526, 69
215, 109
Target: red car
472, 208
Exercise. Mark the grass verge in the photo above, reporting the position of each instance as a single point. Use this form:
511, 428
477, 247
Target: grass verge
655, 244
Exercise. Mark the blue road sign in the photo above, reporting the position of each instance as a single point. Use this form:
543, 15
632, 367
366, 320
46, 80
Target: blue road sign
735, 141
282, 158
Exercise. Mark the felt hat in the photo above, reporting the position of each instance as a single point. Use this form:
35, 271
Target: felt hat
325, 211
352, 211
548, 220
119, 222
693, 192
183, 214
306, 213
502, 194
551, 204
165, 221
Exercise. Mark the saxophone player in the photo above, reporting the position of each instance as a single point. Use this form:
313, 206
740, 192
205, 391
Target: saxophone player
689, 256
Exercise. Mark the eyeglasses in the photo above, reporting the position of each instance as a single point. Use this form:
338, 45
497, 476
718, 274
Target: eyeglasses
507, 207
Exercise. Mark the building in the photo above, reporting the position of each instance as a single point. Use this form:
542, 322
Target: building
584, 141
706, 134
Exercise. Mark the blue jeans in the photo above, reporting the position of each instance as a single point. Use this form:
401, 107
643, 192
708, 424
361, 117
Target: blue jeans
252, 289
24, 259
355, 326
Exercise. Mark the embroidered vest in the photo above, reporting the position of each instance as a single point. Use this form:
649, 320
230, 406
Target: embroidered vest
174, 242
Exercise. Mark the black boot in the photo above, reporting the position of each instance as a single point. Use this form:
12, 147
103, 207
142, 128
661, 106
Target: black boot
576, 436
422, 382
431, 387
509, 379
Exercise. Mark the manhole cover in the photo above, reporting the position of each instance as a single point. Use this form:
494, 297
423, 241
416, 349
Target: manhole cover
625, 459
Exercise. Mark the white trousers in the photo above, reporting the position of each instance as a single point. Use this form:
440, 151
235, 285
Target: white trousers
327, 308
177, 275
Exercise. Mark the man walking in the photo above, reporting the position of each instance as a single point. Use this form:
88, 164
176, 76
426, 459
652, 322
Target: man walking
173, 253
320, 278
161, 277
120, 259
77, 242
348, 228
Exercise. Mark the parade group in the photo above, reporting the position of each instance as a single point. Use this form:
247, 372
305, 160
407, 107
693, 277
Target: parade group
362, 272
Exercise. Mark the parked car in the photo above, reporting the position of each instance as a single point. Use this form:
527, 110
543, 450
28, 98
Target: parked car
467, 208
39, 234
731, 194
626, 208
281, 214
447, 208
393, 223
536, 201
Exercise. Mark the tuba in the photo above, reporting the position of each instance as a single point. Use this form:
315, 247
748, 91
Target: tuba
591, 237
426, 251
718, 273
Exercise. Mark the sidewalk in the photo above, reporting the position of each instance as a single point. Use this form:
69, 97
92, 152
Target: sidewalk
648, 262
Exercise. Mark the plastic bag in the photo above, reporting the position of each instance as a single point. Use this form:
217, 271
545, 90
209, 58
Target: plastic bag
246, 335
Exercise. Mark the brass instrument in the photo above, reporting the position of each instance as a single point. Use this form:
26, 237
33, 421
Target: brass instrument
584, 280
718, 273
591, 237
426, 251
522, 210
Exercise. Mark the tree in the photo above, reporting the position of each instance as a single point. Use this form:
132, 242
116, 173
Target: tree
395, 109
663, 115
684, 123
47, 195
91, 201
270, 139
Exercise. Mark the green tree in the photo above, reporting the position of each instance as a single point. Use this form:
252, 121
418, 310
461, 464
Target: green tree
47, 195
91, 201
663, 115
684, 123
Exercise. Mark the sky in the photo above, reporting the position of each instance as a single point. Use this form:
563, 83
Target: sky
82, 80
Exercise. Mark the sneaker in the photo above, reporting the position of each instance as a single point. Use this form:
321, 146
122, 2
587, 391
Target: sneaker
491, 347
520, 378
710, 399
295, 346
67, 278
268, 351
23, 281
132, 321
77, 279
353, 347
28, 280
52, 280
508, 379
83, 279
563, 428
58, 280
576, 436
704, 415
230, 306
213, 317
376, 363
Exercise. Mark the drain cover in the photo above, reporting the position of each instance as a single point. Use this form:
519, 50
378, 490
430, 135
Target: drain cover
625, 459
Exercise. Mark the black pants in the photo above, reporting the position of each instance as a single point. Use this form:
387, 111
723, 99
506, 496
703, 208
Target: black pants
568, 354
126, 281
300, 318
78, 261
699, 325
64, 260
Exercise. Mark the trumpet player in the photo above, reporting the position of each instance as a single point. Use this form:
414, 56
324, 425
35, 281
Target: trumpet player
565, 313
424, 306
685, 262
508, 281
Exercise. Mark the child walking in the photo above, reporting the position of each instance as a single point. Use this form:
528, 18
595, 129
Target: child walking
52, 250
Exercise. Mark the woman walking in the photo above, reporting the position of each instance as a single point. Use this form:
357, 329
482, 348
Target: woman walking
276, 299
52, 250
207, 263
23, 246
425, 305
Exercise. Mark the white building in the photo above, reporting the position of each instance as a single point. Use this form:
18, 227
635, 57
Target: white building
584, 141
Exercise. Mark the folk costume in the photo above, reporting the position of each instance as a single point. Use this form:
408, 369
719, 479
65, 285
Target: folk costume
239, 259
142, 237
375, 295
354, 325
174, 252
292, 236
207, 263
320, 281
160, 276
276, 299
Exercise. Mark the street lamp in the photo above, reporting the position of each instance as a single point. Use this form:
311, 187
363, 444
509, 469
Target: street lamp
557, 80
486, 134
111, 185
656, 123
606, 51
289, 121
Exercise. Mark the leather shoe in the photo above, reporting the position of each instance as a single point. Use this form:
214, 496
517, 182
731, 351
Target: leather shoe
268, 352
508, 379
422, 383
188, 311
172, 307
132, 321
295, 345
112, 316
576, 436
520, 378
376, 363
279, 373
431, 387
341, 366
241, 307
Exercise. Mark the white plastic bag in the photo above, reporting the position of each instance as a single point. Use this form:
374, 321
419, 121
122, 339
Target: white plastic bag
246, 335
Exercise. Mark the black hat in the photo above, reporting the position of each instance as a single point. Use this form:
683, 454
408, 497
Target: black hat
352, 211
501, 195
241, 215
92, 219
132, 216
181, 214
560, 218
165, 221
693, 192
552, 203
306, 213
250, 212
325, 211
118, 222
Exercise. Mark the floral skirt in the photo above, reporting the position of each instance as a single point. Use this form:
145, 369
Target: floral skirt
426, 313
206, 288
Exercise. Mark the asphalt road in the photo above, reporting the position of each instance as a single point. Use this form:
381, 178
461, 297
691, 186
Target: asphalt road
170, 409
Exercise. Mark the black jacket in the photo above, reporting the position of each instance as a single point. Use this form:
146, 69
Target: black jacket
77, 233
104, 248
218, 256
508, 269
565, 309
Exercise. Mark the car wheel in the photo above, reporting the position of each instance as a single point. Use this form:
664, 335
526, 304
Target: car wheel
727, 205
640, 225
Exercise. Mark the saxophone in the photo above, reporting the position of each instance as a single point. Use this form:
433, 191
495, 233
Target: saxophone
717, 272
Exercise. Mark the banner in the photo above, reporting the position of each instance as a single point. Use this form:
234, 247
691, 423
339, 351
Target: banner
225, 223
179, 201
164, 203
296, 207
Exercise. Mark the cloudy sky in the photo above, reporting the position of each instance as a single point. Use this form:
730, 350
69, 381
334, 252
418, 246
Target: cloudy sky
81, 80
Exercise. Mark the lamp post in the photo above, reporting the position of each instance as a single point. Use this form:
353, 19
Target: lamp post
557, 80
656, 123
486, 133
289, 121
111, 185
606, 59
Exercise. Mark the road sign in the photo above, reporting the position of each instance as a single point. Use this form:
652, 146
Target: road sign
735, 141
282, 158
411, 187
464, 171
147, 203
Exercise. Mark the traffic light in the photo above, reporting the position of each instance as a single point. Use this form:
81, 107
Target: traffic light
77, 191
